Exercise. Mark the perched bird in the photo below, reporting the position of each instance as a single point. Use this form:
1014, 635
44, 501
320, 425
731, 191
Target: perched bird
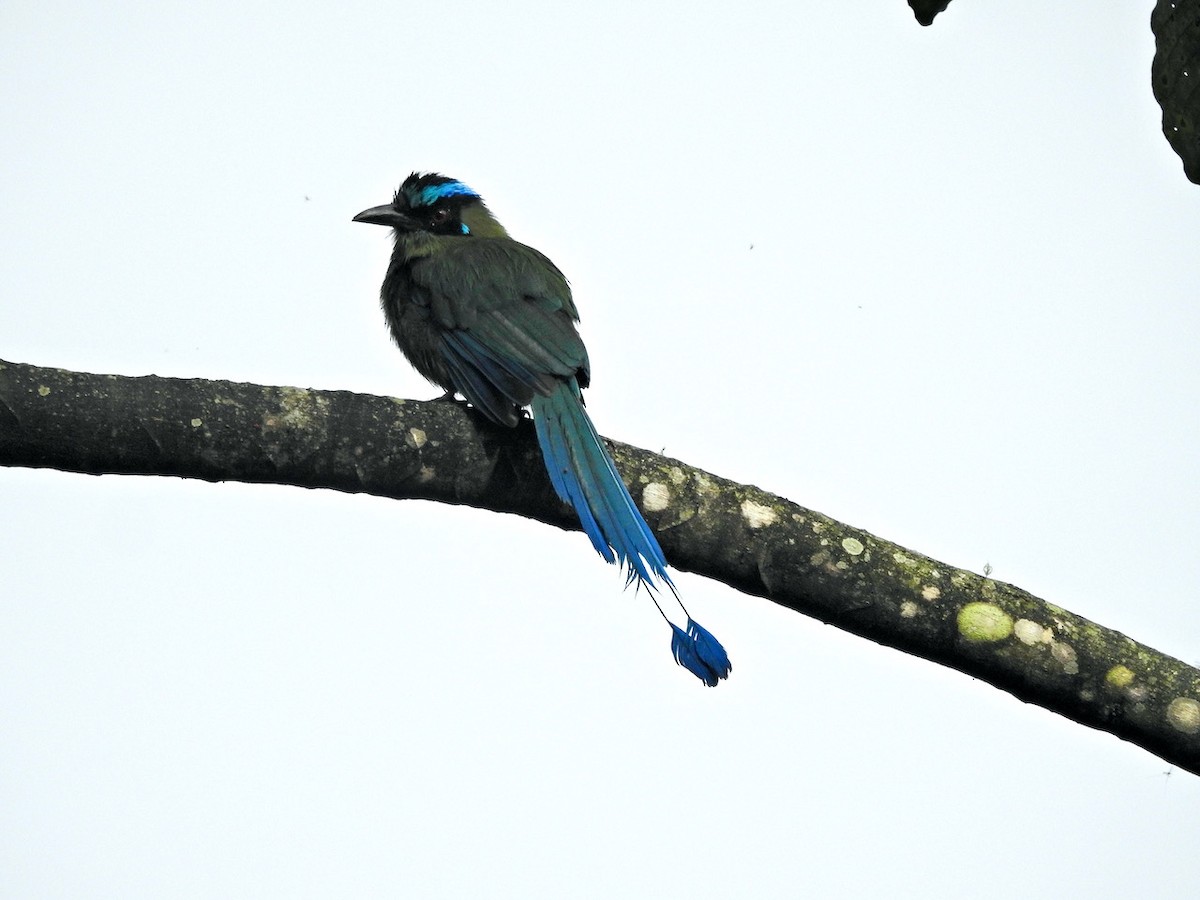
482, 315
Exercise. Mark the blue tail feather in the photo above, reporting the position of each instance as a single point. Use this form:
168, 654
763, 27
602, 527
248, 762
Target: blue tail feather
709, 649
684, 650
700, 653
585, 476
560, 465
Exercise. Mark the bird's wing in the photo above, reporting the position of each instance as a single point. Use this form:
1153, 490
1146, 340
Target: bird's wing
506, 321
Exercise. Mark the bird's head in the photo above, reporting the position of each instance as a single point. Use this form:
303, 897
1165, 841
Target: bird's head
435, 204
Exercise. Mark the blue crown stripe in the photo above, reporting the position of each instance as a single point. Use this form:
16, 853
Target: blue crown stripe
430, 195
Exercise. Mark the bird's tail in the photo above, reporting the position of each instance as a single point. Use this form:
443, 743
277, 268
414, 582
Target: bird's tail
584, 475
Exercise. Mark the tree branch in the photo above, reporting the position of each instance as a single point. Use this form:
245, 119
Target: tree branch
755, 542
1174, 75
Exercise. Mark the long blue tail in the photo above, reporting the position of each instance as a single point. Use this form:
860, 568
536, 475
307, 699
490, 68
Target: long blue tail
585, 476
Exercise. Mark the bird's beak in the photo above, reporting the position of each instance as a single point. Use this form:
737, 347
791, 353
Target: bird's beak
385, 215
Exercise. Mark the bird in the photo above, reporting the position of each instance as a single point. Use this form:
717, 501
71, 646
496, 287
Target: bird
493, 320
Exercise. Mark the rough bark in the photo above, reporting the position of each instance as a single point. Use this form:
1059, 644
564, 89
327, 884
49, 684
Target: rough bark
756, 542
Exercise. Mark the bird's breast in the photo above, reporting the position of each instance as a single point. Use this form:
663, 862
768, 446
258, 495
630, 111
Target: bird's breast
413, 327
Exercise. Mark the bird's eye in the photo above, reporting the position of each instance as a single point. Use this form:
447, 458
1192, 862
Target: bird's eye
439, 217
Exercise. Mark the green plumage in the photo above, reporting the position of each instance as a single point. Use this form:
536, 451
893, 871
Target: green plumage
508, 297
484, 316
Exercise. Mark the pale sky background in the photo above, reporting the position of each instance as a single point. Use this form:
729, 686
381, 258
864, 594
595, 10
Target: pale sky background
936, 283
